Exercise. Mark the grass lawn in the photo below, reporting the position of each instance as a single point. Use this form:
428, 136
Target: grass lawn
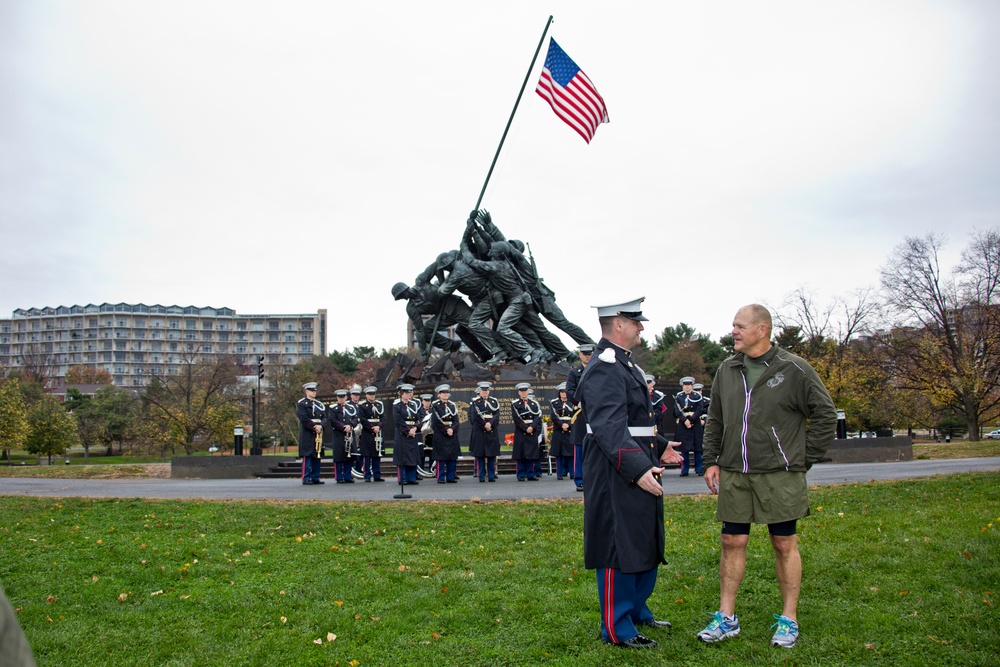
897, 573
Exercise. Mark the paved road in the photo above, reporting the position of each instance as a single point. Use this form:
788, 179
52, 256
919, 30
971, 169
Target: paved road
506, 487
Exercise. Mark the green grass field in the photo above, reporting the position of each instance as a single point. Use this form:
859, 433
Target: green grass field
900, 573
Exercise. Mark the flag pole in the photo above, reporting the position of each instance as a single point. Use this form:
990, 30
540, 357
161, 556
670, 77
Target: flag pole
513, 111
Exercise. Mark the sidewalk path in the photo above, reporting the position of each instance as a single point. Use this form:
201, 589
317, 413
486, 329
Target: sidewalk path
468, 488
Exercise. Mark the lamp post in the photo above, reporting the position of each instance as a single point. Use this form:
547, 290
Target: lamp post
238, 440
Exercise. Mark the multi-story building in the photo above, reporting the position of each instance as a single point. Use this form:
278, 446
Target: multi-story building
136, 342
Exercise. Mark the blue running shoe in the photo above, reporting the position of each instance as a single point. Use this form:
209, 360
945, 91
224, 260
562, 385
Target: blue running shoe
720, 627
787, 633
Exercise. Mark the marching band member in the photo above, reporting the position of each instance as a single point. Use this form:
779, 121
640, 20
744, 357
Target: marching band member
484, 444
527, 415
372, 415
444, 422
312, 416
561, 446
578, 429
406, 418
688, 409
343, 423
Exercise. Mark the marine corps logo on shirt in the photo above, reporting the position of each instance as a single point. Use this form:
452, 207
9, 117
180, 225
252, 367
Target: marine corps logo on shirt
776, 380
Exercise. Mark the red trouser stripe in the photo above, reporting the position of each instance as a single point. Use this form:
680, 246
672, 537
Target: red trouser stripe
609, 604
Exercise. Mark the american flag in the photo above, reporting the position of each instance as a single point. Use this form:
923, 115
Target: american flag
570, 93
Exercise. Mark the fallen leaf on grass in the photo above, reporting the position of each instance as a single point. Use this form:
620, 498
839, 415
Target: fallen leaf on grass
869, 645
50, 600
94, 578
185, 597
318, 641
967, 555
402, 568
284, 620
339, 603
49, 619
122, 596
435, 635
354, 663
905, 591
330, 636
376, 618
159, 592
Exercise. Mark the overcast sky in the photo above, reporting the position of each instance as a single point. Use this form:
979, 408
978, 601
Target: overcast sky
286, 157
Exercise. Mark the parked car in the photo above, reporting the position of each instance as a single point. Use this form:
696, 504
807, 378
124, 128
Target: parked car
993, 435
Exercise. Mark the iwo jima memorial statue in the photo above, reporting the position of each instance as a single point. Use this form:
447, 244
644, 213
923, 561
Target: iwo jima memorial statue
506, 340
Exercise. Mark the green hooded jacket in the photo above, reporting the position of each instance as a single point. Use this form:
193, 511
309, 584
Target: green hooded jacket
763, 428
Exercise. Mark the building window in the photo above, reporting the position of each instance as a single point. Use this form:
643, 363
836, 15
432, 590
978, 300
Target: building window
206, 349
190, 324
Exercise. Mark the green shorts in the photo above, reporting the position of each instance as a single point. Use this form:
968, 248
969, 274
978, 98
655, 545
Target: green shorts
770, 497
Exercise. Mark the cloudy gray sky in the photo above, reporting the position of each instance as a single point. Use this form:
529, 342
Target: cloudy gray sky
285, 157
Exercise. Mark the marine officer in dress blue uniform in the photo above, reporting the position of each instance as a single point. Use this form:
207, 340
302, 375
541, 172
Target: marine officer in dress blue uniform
577, 431
444, 421
484, 443
623, 536
343, 425
372, 415
527, 416
312, 421
406, 418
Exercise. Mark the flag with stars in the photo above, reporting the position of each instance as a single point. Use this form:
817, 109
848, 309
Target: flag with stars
570, 93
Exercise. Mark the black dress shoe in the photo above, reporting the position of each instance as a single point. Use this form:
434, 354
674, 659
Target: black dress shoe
638, 642
493, 479
319, 481
379, 480
306, 483
453, 481
655, 624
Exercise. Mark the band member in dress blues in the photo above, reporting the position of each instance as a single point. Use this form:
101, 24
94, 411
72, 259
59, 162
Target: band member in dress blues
312, 423
354, 400
561, 446
343, 425
661, 412
484, 443
444, 421
623, 535
527, 416
406, 418
372, 415
688, 409
578, 430
425, 435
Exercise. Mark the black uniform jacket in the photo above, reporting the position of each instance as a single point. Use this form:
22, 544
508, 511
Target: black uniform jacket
526, 413
689, 407
483, 443
444, 415
579, 429
622, 524
562, 413
339, 418
405, 450
371, 415
308, 410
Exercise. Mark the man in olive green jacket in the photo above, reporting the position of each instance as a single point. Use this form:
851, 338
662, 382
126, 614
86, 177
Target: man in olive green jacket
757, 451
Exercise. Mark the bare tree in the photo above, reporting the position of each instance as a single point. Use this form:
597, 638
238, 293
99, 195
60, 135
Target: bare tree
946, 342
197, 404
